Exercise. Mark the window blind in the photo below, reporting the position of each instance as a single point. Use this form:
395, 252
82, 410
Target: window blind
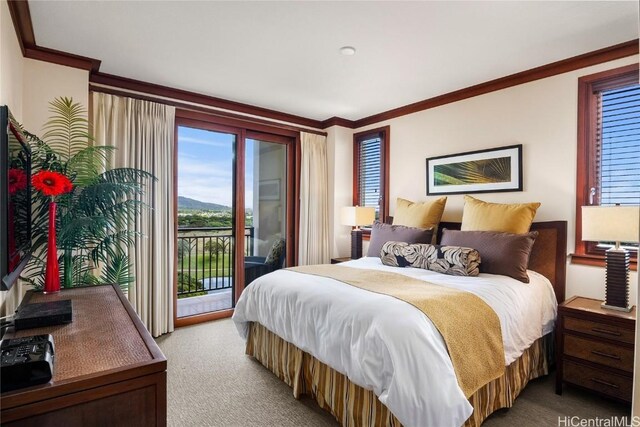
370, 173
618, 146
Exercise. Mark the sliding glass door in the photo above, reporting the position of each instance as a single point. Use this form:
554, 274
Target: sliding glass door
234, 212
206, 220
266, 203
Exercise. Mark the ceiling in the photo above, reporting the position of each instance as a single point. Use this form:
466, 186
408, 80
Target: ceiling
285, 55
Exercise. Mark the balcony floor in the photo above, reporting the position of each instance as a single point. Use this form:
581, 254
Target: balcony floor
214, 301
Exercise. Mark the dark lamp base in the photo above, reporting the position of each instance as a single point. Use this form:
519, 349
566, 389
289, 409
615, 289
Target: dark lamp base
617, 288
356, 244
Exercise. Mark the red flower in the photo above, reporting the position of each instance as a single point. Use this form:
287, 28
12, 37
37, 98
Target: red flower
51, 183
17, 180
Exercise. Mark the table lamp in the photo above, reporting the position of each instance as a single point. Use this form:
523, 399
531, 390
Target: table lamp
356, 216
613, 224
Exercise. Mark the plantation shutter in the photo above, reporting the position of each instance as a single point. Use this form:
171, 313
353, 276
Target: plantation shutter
370, 172
618, 146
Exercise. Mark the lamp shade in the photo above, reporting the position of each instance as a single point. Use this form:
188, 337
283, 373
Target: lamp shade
611, 223
357, 215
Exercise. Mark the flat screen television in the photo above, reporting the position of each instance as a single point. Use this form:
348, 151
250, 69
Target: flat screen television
15, 200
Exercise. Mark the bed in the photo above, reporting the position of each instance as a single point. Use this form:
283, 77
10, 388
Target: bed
371, 359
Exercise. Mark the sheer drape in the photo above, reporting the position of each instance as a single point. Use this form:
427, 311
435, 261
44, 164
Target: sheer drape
143, 133
314, 201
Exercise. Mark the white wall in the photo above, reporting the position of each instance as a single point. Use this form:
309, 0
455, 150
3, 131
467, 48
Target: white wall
540, 115
11, 64
44, 81
340, 158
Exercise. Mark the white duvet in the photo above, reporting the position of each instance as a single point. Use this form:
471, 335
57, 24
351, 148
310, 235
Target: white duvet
387, 345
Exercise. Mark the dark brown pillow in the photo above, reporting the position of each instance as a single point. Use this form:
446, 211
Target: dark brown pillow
501, 253
383, 233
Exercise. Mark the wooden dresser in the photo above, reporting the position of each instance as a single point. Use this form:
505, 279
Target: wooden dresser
595, 348
108, 370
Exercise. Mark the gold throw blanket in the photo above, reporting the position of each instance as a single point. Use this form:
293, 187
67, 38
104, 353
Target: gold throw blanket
469, 327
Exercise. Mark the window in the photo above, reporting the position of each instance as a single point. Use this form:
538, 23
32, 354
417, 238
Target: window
371, 170
608, 149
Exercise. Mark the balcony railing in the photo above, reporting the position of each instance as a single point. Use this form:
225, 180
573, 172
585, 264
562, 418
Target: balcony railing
205, 259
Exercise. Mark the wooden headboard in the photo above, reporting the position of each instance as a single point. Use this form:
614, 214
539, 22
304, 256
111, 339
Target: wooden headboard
549, 254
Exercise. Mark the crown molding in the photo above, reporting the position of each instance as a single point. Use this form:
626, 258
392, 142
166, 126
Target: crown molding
337, 121
200, 109
62, 58
196, 98
21, 17
595, 57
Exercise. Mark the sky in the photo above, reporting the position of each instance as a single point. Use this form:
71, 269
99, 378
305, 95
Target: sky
205, 166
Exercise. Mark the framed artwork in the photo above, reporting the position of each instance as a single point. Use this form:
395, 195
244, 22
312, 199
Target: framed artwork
269, 189
483, 171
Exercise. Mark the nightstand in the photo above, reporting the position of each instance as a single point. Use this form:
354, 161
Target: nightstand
595, 348
339, 260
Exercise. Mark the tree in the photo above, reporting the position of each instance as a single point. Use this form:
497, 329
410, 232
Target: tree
213, 247
186, 283
184, 247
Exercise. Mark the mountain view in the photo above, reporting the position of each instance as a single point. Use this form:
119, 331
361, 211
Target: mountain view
187, 204
194, 213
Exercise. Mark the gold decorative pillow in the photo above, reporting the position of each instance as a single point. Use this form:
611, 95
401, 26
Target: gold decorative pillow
507, 218
419, 215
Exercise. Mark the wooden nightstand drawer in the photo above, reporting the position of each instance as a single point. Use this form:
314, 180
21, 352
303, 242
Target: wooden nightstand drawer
599, 352
595, 347
601, 330
602, 381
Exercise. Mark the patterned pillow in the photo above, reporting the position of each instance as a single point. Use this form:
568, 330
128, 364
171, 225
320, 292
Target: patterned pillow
275, 254
452, 260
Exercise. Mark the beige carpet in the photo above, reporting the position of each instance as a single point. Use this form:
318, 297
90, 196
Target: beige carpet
211, 382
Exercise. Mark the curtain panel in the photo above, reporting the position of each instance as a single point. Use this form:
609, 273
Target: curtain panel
143, 133
314, 201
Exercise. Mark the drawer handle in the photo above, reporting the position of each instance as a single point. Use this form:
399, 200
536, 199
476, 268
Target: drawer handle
610, 356
608, 384
606, 331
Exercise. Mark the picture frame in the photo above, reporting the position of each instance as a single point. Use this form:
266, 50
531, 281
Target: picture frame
483, 171
269, 189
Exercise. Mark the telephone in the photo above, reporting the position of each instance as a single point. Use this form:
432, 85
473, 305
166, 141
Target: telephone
26, 361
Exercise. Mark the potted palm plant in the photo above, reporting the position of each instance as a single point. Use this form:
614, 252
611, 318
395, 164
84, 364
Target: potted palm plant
95, 219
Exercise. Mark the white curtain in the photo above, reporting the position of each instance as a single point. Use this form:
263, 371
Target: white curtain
314, 201
143, 133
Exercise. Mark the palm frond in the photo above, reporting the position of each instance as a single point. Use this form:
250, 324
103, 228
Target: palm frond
130, 175
110, 245
74, 233
33, 273
103, 195
67, 129
42, 156
118, 271
86, 165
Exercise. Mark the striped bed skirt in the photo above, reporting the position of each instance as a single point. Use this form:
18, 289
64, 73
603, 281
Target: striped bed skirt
354, 406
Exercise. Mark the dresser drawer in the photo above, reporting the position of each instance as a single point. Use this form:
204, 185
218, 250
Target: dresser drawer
599, 352
602, 330
610, 384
